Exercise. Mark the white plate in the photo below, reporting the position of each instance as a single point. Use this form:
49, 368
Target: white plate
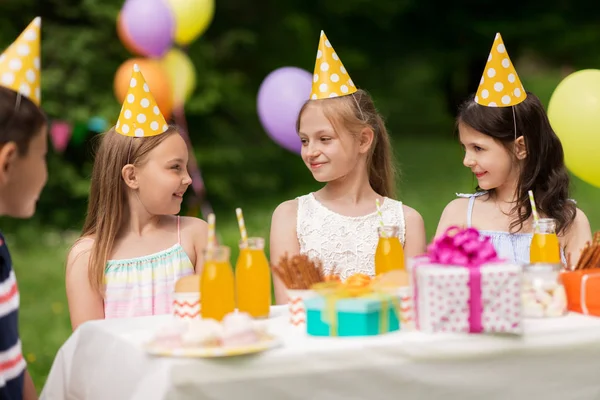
266, 343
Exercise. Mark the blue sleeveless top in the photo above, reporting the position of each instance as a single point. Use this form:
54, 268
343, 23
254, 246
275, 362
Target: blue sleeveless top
510, 246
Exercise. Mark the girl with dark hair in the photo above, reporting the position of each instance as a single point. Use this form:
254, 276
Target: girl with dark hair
511, 149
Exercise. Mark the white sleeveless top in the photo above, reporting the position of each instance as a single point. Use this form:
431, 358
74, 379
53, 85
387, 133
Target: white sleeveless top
346, 243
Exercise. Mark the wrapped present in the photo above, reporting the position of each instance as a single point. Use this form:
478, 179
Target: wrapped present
583, 290
460, 285
342, 310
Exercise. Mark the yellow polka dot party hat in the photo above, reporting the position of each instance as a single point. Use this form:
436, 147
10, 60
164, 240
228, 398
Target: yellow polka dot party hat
500, 85
20, 63
330, 78
140, 115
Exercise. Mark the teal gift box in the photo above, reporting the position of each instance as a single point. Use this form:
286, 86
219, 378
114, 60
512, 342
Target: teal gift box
357, 316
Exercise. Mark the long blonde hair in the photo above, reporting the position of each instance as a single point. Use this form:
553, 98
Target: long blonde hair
356, 112
108, 196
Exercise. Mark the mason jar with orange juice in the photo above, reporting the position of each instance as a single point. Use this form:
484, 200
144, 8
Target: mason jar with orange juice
389, 255
545, 247
253, 278
217, 296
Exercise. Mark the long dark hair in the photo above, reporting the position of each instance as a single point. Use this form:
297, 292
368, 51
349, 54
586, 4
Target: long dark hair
543, 170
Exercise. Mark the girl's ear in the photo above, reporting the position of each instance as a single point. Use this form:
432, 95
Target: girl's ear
520, 148
128, 173
366, 139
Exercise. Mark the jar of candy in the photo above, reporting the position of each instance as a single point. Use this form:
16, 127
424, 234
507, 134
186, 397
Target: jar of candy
543, 293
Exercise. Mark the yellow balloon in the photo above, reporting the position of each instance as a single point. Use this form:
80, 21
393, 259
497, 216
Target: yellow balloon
182, 75
574, 112
192, 17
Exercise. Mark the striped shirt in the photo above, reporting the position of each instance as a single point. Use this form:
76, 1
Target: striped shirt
143, 286
12, 364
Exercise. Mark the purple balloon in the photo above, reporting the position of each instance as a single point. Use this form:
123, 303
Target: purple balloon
280, 97
150, 24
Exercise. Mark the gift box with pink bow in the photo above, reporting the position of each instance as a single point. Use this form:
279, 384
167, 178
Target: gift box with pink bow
461, 285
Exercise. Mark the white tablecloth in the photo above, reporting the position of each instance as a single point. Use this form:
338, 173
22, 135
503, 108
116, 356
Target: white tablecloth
555, 359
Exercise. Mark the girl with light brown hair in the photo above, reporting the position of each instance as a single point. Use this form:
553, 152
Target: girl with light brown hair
134, 246
345, 145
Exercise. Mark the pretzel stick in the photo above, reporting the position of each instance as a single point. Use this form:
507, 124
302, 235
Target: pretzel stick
595, 257
581, 255
585, 256
284, 272
315, 276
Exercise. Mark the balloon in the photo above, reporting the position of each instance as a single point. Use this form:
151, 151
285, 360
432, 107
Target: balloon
192, 17
574, 112
182, 75
125, 37
97, 124
155, 76
150, 26
280, 98
60, 133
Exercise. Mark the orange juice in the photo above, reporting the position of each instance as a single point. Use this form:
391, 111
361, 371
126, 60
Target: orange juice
545, 247
217, 297
253, 279
389, 254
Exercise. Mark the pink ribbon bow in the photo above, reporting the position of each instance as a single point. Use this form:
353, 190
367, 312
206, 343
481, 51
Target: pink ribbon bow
464, 247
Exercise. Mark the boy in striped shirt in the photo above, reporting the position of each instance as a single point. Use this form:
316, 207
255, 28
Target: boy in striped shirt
23, 174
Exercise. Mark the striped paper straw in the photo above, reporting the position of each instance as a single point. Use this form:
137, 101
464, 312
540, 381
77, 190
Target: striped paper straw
381, 224
536, 217
242, 225
210, 245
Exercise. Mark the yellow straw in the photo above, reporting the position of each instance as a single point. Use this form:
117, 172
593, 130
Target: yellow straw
211, 233
242, 225
379, 213
536, 217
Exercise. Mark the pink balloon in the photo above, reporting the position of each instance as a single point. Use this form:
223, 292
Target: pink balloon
60, 133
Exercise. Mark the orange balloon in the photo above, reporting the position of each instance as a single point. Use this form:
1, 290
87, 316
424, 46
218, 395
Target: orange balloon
156, 78
125, 37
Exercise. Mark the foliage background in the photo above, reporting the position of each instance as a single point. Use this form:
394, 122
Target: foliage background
418, 58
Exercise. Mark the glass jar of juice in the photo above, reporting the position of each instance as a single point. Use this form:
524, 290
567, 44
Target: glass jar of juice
253, 279
389, 254
217, 297
544, 244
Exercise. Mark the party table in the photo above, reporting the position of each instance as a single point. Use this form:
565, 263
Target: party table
554, 359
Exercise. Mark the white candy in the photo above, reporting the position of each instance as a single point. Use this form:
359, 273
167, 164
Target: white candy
543, 297
533, 310
538, 303
554, 311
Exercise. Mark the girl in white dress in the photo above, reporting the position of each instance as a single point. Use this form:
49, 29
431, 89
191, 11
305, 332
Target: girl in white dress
345, 145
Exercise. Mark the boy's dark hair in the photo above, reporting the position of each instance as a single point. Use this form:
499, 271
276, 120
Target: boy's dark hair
20, 119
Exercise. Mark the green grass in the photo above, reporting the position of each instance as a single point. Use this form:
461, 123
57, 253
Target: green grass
432, 172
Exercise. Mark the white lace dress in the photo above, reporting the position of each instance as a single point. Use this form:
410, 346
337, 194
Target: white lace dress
345, 243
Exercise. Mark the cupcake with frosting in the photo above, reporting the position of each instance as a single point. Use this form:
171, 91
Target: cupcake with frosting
238, 330
203, 333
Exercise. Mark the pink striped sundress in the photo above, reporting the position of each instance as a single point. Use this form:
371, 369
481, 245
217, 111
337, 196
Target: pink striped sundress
143, 286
